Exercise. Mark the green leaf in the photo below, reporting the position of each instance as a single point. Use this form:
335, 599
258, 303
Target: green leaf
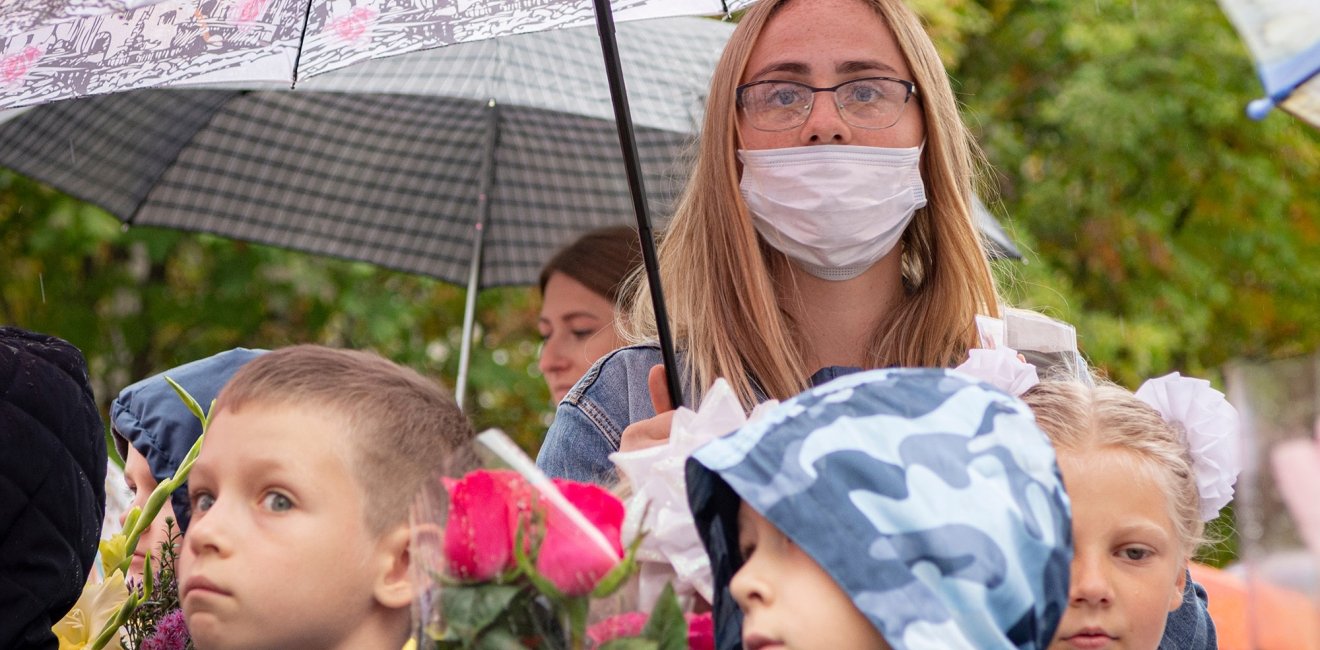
469, 610
188, 400
610, 582
499, 639
666, 626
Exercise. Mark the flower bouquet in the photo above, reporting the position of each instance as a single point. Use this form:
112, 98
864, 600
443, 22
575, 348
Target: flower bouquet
512, 559
117, 615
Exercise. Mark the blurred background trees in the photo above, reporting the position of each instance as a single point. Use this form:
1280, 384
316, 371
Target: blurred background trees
1172, 230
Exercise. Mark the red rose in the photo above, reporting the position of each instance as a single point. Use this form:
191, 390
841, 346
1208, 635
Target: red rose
568, 557
701, 631
616, 627
483, 515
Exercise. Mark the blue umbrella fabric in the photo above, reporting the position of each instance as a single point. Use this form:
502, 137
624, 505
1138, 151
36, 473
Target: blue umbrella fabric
1284, 38
44, 58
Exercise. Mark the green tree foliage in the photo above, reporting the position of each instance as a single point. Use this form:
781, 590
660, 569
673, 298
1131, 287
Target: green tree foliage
138, 301
1175, 232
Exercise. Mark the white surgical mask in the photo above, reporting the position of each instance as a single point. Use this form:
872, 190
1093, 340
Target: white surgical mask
833, 209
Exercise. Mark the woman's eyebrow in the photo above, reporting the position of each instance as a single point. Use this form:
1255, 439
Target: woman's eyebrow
790, 67
846, 67
865, 65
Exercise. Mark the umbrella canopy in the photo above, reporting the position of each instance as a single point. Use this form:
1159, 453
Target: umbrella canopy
50, 50
382, 161
1284, 38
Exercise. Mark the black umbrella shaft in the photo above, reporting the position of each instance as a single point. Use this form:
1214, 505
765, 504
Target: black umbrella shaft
632, 165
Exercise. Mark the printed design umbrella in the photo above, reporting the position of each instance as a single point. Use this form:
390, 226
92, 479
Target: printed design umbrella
175, 42
394, 161
52, 49
1284, 38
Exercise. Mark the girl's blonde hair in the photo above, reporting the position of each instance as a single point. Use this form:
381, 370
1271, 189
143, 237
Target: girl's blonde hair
1079, 418
727, 290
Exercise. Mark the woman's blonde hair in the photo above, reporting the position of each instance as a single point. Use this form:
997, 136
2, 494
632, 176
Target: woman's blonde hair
1082, 419
727, 290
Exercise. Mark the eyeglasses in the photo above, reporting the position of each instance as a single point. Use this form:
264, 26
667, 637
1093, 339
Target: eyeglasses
870, 103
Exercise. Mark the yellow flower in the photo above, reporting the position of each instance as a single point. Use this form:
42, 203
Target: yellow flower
95, 607
410, 645
113, 551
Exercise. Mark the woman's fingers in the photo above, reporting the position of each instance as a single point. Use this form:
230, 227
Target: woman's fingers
652, 431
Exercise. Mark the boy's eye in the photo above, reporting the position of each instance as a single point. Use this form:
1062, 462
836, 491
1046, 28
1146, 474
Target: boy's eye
202, 502
276, 502
1136, 553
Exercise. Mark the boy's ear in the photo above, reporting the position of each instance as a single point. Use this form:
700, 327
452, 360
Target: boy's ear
394, 581
1176, 600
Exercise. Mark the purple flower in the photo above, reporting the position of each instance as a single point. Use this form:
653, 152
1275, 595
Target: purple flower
171, 633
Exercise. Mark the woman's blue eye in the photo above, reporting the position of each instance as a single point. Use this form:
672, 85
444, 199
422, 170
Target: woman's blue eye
785, 97
277, 502
866, 94
584, 334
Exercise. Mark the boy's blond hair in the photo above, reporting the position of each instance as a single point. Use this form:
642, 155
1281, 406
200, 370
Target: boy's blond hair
402, 427
1080, 418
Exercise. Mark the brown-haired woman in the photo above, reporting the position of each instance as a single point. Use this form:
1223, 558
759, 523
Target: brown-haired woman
580, 291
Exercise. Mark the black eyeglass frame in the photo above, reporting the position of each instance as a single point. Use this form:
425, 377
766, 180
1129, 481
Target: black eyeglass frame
910, 86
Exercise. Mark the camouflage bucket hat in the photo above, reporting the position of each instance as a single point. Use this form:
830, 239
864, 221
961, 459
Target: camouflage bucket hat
930, 498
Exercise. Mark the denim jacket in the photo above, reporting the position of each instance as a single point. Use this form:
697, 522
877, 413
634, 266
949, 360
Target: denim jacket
614, 393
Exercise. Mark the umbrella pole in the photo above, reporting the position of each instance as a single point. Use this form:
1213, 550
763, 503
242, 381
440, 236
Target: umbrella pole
632, 165
478, 247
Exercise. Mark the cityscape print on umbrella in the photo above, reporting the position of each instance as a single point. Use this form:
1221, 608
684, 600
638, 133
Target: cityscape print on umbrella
175, 42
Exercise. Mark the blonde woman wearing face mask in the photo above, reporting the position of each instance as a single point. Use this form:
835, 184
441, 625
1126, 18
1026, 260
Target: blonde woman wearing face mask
826, 227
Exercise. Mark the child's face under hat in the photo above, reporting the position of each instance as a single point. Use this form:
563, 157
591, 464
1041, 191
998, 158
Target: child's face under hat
787, 600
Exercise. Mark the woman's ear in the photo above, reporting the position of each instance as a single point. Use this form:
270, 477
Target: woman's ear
394, 580
1180, 586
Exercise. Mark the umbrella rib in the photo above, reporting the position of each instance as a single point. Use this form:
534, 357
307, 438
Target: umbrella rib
302, 39
174, 158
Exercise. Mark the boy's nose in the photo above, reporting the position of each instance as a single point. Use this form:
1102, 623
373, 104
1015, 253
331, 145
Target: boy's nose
207, 533
749, 589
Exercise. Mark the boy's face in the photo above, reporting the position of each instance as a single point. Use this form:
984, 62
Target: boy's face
788, 601
277, 553
1128, 567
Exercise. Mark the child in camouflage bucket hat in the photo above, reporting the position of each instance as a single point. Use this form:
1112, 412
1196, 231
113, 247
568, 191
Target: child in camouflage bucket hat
894, 508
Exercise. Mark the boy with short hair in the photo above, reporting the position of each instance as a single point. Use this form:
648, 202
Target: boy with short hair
300, 501
894, 508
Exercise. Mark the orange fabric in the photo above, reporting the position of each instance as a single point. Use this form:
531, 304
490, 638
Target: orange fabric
1285, 619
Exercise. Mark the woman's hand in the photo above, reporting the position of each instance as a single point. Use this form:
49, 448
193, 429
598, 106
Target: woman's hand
652, 431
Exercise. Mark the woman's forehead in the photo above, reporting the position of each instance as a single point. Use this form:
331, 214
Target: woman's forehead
825, 37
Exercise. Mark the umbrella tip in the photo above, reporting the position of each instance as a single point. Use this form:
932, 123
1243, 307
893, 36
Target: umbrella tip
1259, 108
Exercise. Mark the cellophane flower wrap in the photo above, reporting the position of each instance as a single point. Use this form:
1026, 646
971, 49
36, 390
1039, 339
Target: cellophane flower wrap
672, 552
507, 558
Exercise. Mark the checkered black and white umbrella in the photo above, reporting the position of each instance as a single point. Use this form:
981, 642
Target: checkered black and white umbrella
385, 161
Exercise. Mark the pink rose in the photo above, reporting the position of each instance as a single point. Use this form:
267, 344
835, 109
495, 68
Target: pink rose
616, 627
568, 557
701, 631
483, 515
